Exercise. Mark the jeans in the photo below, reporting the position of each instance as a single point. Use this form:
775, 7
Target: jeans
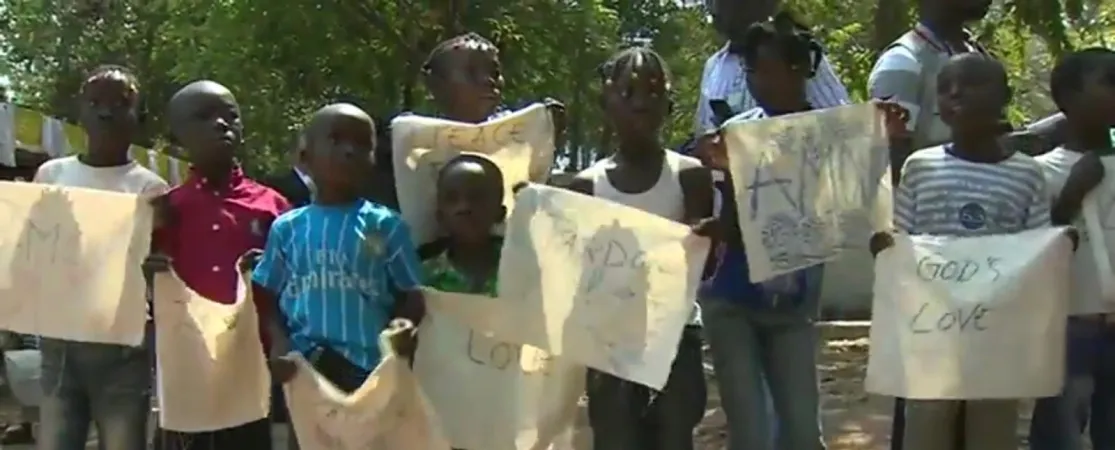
108, 385
755, 352
987, 425
629, 416
1058, 423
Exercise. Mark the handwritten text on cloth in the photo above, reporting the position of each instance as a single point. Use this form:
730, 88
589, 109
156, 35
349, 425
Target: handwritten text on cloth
808, 186
70, 263
520, 143
970, 318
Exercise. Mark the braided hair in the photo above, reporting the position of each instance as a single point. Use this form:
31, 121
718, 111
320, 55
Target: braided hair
794, 42
106, 71
630, 58
468, 40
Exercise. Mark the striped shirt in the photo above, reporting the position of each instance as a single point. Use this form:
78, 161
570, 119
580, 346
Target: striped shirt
941, 194
724, 79
330, 267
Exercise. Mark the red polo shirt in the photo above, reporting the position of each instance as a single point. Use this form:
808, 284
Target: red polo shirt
214, 227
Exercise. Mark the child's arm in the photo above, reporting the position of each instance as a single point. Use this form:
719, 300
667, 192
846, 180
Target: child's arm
405, 271
905, 208
1085, 175
271, 276
697, 197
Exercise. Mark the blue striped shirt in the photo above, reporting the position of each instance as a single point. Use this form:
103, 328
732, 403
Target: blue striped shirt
330, 267
941, 194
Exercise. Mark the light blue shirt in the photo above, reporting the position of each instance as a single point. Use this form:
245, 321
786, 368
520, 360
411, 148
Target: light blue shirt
333, 268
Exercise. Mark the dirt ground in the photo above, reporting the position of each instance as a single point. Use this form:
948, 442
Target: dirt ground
853, 420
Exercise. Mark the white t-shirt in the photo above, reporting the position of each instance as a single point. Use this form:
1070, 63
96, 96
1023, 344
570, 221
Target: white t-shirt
1086, 296
130, 178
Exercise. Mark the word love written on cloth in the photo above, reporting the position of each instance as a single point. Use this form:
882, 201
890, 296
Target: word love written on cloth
505, 356
935, 318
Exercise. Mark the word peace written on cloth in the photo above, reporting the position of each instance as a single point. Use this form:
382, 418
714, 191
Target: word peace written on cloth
70, 263
520, 143
964, 318
611, 290
808, 186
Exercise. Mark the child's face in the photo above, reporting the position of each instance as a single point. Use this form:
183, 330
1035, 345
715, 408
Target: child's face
108, 110
775, 82
469, 202
207, 123
1096, 98
972, 98
468, 81
340, 147
636, 99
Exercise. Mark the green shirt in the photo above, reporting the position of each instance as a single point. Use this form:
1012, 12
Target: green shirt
440, 274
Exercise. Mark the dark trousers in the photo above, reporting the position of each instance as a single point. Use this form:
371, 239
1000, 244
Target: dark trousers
345, 375
252, 435
630, 416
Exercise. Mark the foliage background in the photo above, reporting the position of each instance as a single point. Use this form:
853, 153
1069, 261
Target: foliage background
285, 58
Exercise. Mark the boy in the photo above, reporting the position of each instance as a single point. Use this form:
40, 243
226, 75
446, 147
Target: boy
970, 187
104, 383
1083, 86
329, 267
219, 206
642, 174
742, 319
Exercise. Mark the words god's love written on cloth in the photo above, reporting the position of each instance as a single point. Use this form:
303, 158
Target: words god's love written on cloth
611, 290
70, 263
970, 318
808, 186
211, 372
530, 397
388, 412
520, 143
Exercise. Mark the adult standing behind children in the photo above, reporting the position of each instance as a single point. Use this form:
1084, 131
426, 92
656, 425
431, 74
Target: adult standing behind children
331, 269
724, 90
83, 382
643, 174
230, 213
1083, 87
935, 197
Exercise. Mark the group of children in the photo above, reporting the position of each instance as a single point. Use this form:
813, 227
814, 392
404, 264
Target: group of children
331, 275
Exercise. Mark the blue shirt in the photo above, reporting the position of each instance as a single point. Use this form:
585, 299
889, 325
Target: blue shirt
331, 267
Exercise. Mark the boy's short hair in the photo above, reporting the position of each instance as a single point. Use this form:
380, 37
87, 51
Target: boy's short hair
795, 43
490, 168
106, 70
1069, 73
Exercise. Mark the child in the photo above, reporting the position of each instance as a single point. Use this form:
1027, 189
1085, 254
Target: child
970, 187
464, 76
83, 381
1083, 86
469, 205
229, 212
743, 319
330, 266
642, 174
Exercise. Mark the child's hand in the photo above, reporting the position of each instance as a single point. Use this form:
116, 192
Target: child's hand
164, 212
1073, 236
1087, 172
880, 241
250, 259
708, 227
557, 113
403, 338
282, 367
155, 263
894, 118
712, 151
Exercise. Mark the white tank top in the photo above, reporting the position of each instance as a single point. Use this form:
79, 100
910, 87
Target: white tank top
663, 199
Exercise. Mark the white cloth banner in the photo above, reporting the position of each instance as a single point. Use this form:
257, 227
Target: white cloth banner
596, 282
808, 186
1097, 246
529, 398
971, 318
520, 143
